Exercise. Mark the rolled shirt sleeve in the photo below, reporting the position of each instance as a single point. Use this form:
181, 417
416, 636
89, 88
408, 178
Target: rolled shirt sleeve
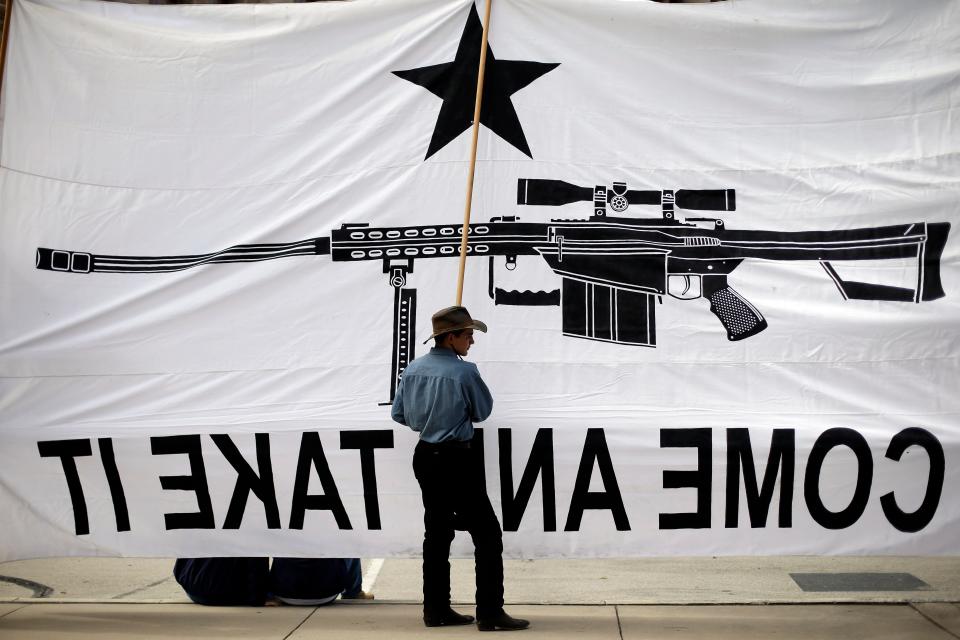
396, 411
477, 396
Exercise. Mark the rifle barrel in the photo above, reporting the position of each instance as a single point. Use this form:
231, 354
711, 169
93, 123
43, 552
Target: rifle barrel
603, 238
83, 262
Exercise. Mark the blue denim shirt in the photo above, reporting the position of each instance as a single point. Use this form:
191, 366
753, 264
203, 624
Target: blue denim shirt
441, 396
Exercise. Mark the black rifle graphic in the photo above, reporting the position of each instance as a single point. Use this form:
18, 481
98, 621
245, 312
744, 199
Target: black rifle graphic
613, 269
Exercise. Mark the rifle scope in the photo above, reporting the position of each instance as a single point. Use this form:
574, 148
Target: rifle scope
536, 191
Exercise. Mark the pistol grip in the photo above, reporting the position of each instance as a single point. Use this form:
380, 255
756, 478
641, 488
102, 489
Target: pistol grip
740, 318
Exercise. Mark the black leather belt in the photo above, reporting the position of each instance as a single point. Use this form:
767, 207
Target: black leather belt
446, 445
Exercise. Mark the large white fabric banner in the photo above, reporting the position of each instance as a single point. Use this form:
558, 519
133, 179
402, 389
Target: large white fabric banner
715, 245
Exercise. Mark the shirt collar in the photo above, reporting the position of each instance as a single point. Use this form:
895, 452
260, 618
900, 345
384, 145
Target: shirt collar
442, 351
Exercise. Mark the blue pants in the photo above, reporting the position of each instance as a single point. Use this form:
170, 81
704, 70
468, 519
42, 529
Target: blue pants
315, 578
354, 578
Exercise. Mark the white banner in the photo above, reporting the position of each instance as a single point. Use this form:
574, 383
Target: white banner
713, 245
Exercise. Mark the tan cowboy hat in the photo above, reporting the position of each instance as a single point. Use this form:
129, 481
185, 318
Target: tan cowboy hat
453, 319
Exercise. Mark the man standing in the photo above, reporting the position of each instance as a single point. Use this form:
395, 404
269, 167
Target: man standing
441, 396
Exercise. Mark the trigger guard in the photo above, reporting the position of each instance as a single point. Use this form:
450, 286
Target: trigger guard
684, 286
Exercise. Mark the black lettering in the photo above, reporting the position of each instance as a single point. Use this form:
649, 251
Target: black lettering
117, 495
366, 442
780, 460
67, 451
540, 463
478, 455
311, 456
196, 481
700, 479
920, 518
595, 451
811, 483
249, 481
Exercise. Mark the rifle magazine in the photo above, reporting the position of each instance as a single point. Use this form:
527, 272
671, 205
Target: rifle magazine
608, 314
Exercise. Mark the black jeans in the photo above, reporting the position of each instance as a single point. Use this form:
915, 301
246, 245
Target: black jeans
454, 495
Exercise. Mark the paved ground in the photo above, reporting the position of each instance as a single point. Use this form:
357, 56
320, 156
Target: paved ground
706, 580
609, 599
398, 621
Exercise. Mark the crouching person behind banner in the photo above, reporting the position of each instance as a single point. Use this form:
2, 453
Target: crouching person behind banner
316, 581
223, 582
441, 396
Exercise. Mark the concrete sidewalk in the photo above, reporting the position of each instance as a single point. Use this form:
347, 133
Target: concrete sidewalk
53, 621
750, 598
582, 581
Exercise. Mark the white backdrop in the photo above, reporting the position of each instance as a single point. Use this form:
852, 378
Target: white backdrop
183, 130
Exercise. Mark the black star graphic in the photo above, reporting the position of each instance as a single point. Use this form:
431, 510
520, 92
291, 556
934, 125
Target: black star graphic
456, 83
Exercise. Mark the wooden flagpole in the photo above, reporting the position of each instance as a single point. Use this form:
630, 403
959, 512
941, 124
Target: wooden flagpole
7, 12
473, 153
